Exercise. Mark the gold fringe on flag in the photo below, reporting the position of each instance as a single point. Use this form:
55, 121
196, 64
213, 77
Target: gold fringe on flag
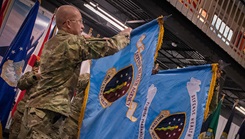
85, 99
160, 36
211, 89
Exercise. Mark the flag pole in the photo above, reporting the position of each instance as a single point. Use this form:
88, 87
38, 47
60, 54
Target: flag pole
223, 97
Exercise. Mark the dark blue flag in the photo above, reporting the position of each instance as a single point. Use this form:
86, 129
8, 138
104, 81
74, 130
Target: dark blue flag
241, 132
225, 132
13, 62
3, 50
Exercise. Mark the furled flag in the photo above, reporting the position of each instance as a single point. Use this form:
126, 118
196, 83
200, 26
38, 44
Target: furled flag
114, 103
176, 101
209, 127
241, 132
5, 8
33, 58
224, 134
13, 62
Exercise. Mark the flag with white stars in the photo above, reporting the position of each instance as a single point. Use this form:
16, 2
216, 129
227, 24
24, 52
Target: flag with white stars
177, 109
118, 83
12, 64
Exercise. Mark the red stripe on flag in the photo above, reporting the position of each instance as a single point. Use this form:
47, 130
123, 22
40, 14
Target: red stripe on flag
22, 93
32, 60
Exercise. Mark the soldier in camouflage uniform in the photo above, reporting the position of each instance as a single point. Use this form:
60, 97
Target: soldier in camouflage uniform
70, 128
27, 82
60, 66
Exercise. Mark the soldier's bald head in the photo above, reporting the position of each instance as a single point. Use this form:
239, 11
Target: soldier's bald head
64, 13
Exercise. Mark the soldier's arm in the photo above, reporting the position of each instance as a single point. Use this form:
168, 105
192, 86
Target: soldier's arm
100, 47
26, 81
83, 82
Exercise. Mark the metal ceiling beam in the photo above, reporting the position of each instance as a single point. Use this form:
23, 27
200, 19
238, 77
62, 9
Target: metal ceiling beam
162, 65
170, 59
233, 89
180, 26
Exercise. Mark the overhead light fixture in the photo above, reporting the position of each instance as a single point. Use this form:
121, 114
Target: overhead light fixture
107, 14
94, 8
174, 44
240, 109
135, 21
196, 60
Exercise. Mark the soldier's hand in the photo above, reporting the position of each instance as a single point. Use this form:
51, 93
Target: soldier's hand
87, 36
38, 76
106, 38
35, 69
126, 32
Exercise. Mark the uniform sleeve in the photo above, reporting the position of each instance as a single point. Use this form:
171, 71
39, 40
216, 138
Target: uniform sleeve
99, 47
83, 82
26, 81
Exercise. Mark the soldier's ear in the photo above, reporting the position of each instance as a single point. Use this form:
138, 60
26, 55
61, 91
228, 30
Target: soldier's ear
68, 24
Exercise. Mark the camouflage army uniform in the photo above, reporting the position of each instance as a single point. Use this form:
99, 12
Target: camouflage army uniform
60, 66
70, 128
27, 82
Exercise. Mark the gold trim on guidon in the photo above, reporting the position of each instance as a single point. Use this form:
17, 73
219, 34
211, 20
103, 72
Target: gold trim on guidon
211, 89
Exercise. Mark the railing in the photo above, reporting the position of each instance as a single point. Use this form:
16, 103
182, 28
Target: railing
222, 20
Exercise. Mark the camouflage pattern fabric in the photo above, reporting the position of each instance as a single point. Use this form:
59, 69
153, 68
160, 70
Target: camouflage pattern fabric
60, 65
70, 127
41, 124
28, 83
